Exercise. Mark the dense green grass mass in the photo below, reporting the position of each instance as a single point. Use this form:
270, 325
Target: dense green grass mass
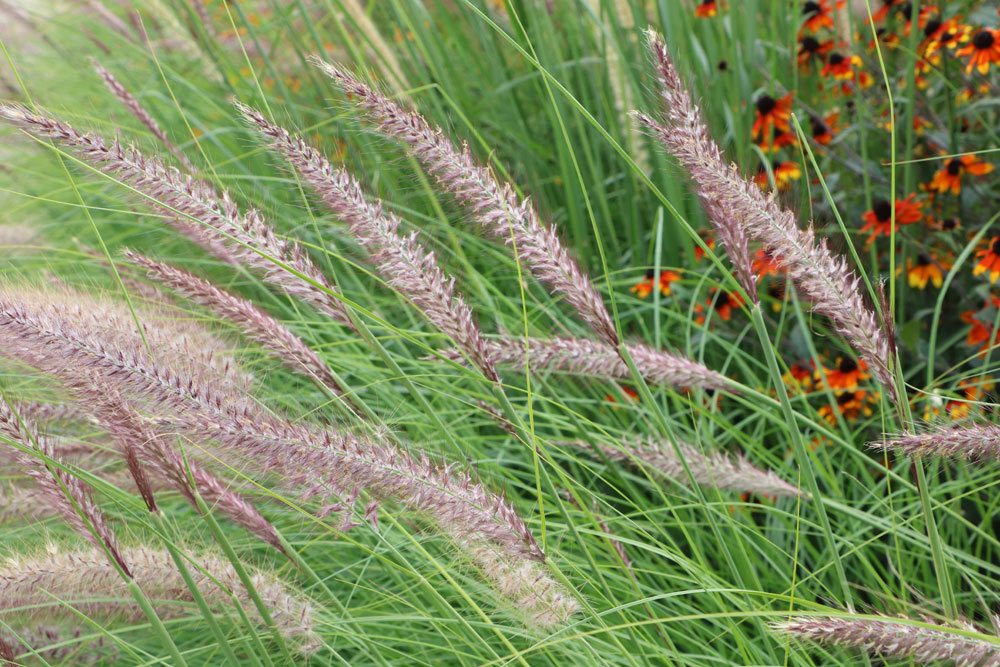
539, 90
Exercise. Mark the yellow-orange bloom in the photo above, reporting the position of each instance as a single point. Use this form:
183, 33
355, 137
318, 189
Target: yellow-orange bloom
989, 260
949, 177
982, 50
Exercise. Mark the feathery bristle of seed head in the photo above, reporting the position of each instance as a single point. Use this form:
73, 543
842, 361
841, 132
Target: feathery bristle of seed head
580, 356
407, 265
124, 162
136, 109
690, 141
822, 277
496, 207
893, 639
59, 645
24, 502
85, 580
134, 434
209, 217
79, 337
254, 322
318, 460
536, 597
975, 442
712, 469
69, 495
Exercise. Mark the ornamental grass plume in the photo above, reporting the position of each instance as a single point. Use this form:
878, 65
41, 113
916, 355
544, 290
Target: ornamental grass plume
258, 325
69, 495
312, 459
401, 259
976, 442
24, 502
83, 580
136, 109
125, 163
891, 638
58, 644
822, 277
690, 142
579, 356
154, 449
714, 469
495, 207
198, 211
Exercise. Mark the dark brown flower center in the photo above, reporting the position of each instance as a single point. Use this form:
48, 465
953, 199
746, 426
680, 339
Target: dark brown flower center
949, 223
766, 104
995, 245
811, 8
954, 166
923, 260
847, 365
932, 27
650, 273
836, 59
819, 128
983, 39
810, 44
882, 210
845, 399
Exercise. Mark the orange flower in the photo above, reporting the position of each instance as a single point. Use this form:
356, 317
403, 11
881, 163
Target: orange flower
979, 333
931, 23
925, 268
928, 20
765, 264
824, 129
983, 50
958, 410
723, 304
878, 221
818, 15
779, 141
644, 288
629, 393
846, 68
784, 174
949, 177
771, 115
989, 260
706, 9
972, 392
851, 404
949, 34
846, 374
810, 47
668, 278
799, 376
709, 240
